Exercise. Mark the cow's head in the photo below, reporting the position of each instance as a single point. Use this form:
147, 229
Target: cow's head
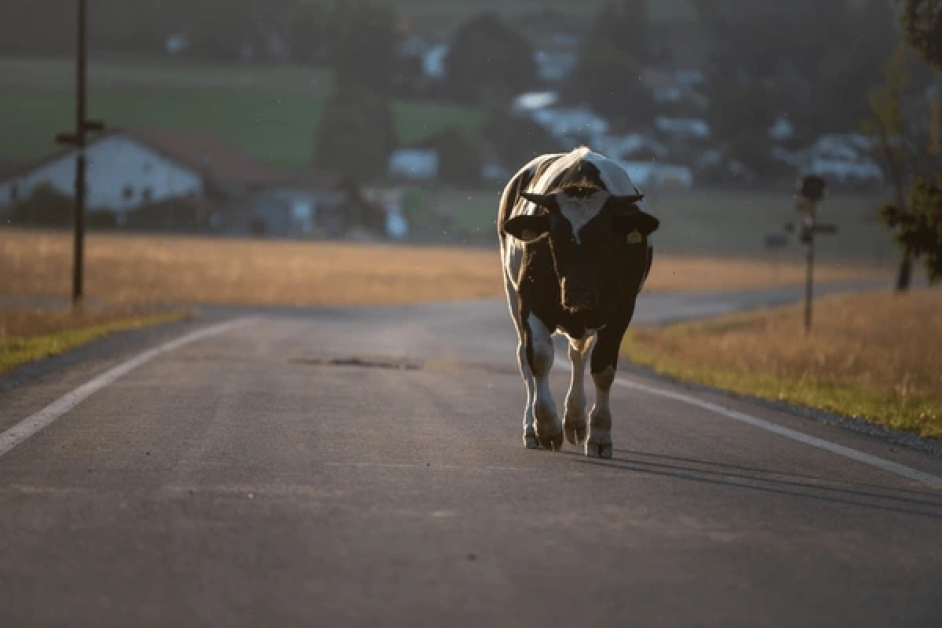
589, 232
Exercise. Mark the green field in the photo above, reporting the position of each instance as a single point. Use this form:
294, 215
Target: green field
269, 112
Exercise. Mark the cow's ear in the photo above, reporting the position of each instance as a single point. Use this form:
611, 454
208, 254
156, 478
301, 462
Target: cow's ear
528, 228
627, 222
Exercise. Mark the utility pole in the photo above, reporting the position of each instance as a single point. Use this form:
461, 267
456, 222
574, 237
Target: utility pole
77, 139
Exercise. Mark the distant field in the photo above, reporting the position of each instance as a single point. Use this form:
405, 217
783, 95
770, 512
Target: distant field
448, 13
711, 222
874, 356
135, 269
270, 113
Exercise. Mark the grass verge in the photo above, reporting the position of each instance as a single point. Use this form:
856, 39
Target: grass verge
27, 335
874, 356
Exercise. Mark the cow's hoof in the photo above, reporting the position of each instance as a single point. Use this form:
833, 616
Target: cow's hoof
575, 432
552, 443
531, 442
595, 449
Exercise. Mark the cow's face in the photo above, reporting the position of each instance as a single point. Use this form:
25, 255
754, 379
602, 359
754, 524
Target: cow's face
588, 231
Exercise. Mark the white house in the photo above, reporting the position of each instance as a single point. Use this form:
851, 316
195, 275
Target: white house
567, 122
122, 173
129, 168
528, 102
433, 61
682, 127
413, 164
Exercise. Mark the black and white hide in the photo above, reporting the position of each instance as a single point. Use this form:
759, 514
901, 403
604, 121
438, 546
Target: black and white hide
576, 248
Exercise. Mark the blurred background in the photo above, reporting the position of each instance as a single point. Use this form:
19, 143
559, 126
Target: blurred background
386, 120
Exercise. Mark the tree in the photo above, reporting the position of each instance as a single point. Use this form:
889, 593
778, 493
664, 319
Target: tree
816, 58
515, 139
488, 59
919, 230
922, 25
609, 80
608, 74
362, 44
356, 133
902, 150
459, 158
220, 29
307, 31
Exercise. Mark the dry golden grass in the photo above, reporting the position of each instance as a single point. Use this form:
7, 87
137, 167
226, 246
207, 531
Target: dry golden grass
683, 272
874, 355
155, 269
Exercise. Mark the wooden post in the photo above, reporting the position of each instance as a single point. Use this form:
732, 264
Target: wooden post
78, 258
78, 140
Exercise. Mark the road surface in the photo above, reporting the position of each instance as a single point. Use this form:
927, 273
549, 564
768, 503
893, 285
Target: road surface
364, 467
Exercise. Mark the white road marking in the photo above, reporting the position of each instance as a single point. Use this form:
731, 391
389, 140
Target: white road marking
847, 452
34, 423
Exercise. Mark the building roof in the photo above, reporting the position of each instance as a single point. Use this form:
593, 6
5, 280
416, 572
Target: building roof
205, 153
210, 155
8, 167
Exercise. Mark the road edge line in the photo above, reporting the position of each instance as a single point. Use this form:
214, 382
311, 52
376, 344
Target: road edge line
45, 417
741, 417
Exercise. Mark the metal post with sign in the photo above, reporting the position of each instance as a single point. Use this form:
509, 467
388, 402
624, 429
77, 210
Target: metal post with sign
812, 189
77, 139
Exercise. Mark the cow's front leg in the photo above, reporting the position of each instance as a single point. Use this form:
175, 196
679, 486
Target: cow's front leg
529, 433
574, 420
604, 362
548, 428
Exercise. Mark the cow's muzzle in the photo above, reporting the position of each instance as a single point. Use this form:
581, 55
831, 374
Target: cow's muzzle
578, 298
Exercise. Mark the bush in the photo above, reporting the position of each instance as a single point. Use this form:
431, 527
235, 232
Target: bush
44, 207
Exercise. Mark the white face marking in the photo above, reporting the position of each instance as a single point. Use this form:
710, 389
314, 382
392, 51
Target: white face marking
579, 211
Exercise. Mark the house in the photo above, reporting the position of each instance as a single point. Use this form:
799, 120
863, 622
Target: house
555, 65
133, 168
413, 164
633, 146
675, 90
569, 124
433, 61
682, 128
782, 129
528, 102
844, 159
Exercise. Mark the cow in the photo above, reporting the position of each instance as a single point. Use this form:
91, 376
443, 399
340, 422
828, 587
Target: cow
576, 249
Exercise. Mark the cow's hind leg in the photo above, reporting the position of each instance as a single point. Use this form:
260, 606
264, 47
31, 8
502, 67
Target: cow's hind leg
574, 420
603, 364
548, 427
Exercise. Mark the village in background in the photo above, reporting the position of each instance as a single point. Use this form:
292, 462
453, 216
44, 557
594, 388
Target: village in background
419, 115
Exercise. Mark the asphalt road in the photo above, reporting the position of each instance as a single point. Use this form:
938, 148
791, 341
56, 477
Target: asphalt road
364, 467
